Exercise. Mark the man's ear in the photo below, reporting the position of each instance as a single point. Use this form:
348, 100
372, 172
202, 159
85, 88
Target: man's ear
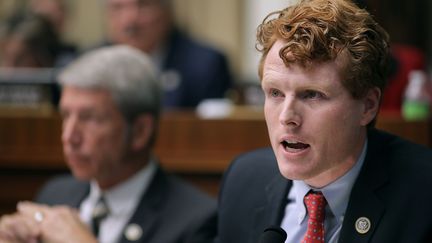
371, 105
142, 130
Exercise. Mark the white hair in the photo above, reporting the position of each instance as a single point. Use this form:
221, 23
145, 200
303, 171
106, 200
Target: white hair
127, 73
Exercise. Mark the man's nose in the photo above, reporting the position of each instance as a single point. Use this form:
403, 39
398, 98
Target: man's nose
71, 133
132, 14
290, 113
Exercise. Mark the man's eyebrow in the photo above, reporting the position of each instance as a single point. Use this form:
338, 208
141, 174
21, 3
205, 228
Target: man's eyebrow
268, 81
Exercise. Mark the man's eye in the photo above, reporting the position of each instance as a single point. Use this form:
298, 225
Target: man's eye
312, 94
87, 116
275, 93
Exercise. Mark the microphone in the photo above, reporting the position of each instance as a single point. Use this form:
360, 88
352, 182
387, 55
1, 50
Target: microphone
273, 234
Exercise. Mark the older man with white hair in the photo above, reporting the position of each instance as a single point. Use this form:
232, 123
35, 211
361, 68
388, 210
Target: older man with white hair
110, 106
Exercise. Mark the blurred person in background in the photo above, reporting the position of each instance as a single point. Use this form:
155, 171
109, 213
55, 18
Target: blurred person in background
190, 71
110, 106
30, 40
56, 11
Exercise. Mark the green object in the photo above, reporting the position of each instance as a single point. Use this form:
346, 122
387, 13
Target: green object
414, 110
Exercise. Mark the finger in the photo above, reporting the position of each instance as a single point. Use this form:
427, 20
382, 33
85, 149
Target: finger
35, 214
17, 227
29, 208
6, 234
66, 210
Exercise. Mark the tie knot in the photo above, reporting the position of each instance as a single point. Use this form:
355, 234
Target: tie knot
101, 209
315, 203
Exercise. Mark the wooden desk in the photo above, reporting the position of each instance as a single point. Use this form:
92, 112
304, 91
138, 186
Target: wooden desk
198, 150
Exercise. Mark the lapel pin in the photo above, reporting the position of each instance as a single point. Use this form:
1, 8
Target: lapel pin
133, 232
362, 225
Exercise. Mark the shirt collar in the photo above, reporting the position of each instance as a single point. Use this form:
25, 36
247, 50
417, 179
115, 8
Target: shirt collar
336, 193
125, 197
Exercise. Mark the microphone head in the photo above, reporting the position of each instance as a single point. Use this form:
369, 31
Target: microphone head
273, 234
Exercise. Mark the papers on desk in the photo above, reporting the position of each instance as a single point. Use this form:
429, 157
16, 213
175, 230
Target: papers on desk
214, 108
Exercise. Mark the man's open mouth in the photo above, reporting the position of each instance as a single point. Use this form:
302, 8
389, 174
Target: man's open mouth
294, 146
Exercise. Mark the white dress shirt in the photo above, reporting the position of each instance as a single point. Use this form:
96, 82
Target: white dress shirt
337, 195
122, 201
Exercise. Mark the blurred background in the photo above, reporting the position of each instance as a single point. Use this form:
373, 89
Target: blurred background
230, 26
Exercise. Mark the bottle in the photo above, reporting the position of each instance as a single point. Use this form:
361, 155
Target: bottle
417, 100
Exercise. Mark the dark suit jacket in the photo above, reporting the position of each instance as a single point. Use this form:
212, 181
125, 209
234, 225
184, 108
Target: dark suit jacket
171, 211
393, 190
204, 71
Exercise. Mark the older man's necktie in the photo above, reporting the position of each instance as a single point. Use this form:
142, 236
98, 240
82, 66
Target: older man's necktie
315, 204
100, 212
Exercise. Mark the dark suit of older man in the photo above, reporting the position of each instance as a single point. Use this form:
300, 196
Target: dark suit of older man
170, 211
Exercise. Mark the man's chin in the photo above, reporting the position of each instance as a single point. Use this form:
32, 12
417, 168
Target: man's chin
291, 172
81, 175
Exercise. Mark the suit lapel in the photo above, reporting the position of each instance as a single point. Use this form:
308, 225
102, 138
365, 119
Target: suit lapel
364, 202
77, 195
146, 215
270, 213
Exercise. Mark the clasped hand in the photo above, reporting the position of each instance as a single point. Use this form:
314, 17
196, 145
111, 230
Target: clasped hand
33, 223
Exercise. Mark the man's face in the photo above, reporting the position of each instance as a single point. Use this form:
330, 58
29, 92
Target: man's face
139, 23
316, 128
94, 134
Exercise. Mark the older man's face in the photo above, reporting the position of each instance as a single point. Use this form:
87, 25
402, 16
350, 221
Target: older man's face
94, 134
317, 130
